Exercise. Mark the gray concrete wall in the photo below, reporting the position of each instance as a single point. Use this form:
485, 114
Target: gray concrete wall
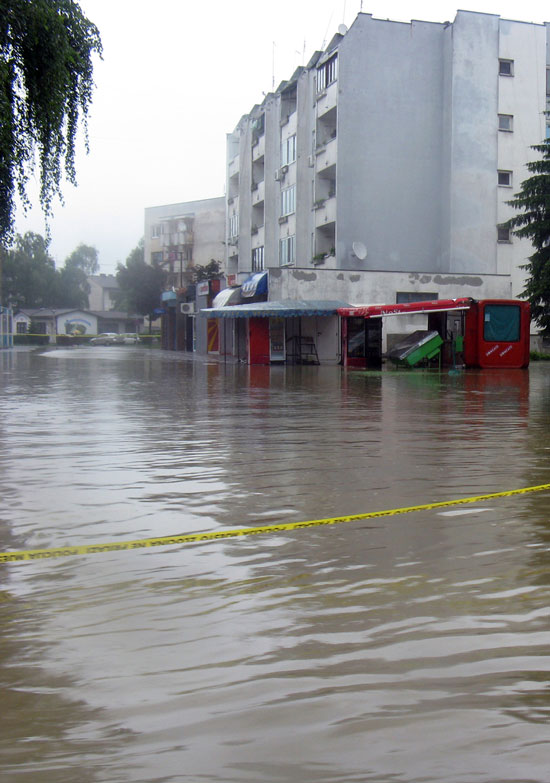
390, 109
472, 176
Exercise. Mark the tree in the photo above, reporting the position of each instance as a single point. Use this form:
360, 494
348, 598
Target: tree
140, 284
84, 257
29, 276
209, 271
46, 85
533, 223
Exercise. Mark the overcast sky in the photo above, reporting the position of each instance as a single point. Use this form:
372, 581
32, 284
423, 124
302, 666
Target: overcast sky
176, 76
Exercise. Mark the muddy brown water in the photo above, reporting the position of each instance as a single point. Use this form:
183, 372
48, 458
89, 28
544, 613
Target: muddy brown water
403, 648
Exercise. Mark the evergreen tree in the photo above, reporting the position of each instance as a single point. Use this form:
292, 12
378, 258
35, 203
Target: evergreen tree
533, 222
46, 84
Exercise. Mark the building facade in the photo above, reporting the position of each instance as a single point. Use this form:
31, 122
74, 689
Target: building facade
191, 233
381, 171
177, 237
103, 290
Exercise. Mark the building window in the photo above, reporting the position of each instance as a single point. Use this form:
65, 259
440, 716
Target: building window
288, 200
258, 259
288, 150
157, 257
405, 297
21, 327
505, 179
506, 67
233, 226
326, 74
287, 250
156, 231
506, 122
503, 234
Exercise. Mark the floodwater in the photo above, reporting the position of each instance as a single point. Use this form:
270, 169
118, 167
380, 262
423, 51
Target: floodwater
400, 648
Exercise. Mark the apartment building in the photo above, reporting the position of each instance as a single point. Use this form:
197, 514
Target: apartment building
186, 234
380, 171
178, 236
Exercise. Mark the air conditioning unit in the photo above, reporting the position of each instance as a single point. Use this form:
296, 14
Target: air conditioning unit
278, 175
187, 308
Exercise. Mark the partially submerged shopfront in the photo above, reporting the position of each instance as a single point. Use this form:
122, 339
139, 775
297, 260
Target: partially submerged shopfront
287, 331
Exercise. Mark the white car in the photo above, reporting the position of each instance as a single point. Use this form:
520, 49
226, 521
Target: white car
106, 338
130, 338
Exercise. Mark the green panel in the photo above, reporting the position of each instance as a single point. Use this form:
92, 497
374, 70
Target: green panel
426, 351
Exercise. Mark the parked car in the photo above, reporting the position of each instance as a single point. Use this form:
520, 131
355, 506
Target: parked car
130, 338
106, 338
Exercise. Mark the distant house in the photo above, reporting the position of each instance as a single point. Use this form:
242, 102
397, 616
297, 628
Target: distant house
103, 289
51, 321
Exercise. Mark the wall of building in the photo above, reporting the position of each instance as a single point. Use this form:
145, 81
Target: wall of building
205, 236
390, 103
102, 289
381, 287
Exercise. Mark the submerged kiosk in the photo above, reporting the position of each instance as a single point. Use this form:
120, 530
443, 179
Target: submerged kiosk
489, 333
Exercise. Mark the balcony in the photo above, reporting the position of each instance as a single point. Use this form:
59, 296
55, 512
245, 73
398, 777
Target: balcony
233, 167
257, 233
258, 148
327, 99
177, 238
325, 212
325, 155
258, 193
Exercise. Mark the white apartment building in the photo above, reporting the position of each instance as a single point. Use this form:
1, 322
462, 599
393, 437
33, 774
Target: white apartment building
381, 170
189, 233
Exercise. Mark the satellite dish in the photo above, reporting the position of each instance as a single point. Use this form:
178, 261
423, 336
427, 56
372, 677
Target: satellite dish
359, 250
342, 29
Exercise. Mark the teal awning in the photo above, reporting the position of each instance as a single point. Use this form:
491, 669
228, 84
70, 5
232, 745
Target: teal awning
285, 308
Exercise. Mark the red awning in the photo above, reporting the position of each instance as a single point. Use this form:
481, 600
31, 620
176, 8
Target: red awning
410, 308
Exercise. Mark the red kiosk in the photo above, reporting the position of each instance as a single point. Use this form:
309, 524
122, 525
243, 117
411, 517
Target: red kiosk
489, 333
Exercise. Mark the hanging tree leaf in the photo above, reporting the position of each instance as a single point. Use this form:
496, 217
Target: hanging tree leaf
46, 85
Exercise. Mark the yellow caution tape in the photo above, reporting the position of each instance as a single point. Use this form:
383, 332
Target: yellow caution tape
191, 538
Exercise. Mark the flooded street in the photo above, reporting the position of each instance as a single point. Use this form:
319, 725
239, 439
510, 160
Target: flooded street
402, 648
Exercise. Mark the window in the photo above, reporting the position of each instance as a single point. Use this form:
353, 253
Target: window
233, 226
287, 250
503, 234
501, 323
157, 258
506, 67
21, 327
288, 150
288, 200
156, 231
505, 179
404, 297
326, 74
505, 122
258, 259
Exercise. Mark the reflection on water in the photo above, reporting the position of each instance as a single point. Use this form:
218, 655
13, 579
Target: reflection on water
407, 648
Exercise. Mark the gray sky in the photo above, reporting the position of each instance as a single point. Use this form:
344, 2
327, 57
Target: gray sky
176, 76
